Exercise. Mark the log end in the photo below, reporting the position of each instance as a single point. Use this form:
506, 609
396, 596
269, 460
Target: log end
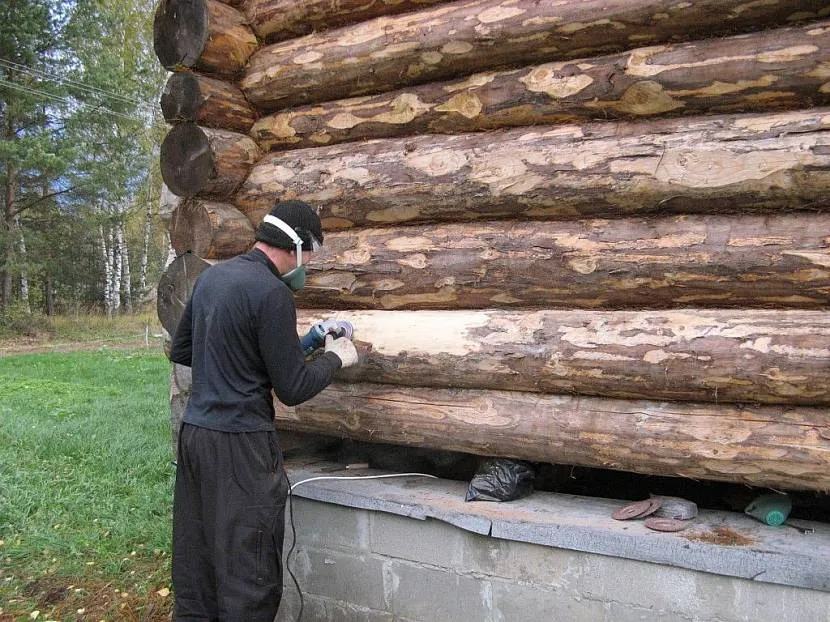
180, 31
188, 226
210, 229
181, 98
186, 160
174, 289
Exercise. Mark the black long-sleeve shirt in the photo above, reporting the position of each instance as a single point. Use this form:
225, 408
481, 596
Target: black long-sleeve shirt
239, 334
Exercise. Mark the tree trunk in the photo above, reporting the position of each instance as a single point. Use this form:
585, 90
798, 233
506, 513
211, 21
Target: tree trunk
206, 101
780, 69
210, 230
106, 258
145, 246
705, 165
206, 162
766, 446
473, 35
171, 252
8, 224
22, 260
775, 357
205, 35
49, 295
277, 20
708, 261
117, 267
175, 286
126, 280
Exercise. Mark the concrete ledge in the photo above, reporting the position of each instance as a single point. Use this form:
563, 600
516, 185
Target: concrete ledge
723, 543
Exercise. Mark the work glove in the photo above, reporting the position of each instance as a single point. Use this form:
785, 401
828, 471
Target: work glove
343, 348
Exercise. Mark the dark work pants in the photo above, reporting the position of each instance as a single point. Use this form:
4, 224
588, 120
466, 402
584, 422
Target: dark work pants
228, 526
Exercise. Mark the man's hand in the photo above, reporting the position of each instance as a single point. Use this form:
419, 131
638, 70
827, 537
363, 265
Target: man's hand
343, 348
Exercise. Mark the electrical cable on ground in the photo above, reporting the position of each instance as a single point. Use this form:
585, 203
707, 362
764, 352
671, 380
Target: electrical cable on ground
291, 488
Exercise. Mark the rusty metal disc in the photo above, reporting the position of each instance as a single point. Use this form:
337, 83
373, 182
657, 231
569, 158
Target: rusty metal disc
638, 509
665, 524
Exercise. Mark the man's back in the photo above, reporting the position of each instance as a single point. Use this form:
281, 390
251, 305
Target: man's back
240, 326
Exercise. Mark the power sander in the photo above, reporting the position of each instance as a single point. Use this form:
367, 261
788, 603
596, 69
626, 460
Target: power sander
316, 337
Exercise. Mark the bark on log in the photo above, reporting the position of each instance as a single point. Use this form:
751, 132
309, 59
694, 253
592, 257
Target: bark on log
206, 101
774, 357
206, 35
210, 230
180, 385
276, 20
778, 447
714, 261
175, 286
698, 165
205, 162
464, 37
773, 70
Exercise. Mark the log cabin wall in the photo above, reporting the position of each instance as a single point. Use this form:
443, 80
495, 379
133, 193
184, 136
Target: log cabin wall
592, 233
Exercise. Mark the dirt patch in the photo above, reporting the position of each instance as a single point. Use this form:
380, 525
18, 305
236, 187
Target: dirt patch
87, 599
46, 591
724, 536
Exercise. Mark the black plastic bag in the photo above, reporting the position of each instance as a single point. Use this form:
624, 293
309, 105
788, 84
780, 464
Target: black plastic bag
501, 480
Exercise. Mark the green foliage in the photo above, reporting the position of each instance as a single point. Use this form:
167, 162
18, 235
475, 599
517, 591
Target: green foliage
86, 478
79, 134
16, 320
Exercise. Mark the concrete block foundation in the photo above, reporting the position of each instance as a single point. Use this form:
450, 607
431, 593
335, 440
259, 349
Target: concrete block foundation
393, 550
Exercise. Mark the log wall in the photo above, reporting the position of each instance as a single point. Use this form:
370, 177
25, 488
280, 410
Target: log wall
592, 233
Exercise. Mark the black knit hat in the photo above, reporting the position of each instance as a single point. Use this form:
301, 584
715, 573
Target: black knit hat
298, 215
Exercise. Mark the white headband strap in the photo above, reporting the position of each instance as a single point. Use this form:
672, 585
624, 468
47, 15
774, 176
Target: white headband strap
284, 227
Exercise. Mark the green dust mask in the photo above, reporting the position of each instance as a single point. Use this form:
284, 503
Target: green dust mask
295, 279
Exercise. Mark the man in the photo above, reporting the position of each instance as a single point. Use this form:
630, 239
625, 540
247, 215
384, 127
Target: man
239, 334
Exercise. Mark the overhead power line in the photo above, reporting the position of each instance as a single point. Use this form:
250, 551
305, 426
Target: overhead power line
104, 109
74, 83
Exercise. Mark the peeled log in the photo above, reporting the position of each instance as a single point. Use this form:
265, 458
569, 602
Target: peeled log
773, 70
714, 261
175, 286
275, 20
206, 162
210, 230
464, 37
206, 101
776, 357
776, 447
701, 164
205, 35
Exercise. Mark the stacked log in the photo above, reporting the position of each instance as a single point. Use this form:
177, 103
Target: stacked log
779, 69
467, 36
554, 244
699, 165
774, 447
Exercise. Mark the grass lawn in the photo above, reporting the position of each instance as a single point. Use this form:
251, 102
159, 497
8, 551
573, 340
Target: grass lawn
86, 486
82, 331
